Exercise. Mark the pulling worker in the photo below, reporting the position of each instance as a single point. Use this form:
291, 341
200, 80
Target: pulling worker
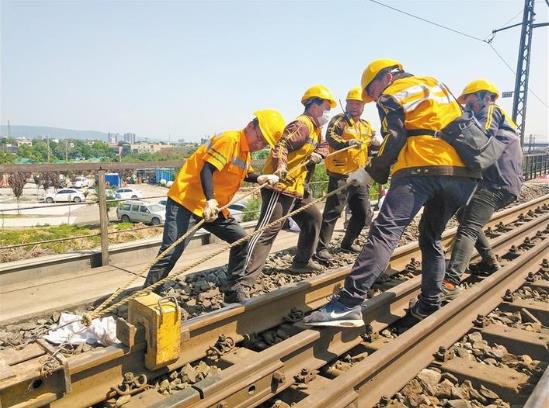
426, 172
346, 131
207, 181
500, 186
299, 146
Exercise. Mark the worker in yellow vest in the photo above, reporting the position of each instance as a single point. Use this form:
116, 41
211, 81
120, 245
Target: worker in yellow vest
292, 160
207, 181
426, 173
346, 131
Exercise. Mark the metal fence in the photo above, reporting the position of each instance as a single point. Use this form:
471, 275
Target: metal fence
534, 165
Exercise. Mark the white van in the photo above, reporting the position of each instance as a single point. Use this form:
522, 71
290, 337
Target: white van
80, 181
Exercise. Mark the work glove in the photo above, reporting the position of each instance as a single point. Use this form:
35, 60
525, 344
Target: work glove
354, 142
270, 179
211, 210
281, 173
360, 177
315, 158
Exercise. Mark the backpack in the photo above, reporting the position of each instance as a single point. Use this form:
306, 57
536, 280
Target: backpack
477, 150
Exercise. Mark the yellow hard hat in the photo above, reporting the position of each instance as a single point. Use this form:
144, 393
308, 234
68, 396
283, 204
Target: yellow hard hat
478, 85
321, 92
271, 124
372, 70
354, 94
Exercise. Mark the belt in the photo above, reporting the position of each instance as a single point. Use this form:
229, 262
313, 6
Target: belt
423, 132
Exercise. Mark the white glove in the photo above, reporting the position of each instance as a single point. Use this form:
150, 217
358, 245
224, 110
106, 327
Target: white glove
281, 173
211, 210
360, 177
270, 179
377, 140
354, 142
315, 158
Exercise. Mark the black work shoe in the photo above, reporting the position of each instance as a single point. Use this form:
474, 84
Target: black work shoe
356, 249
308, 267
413, 316
484, 267
323, 255
236, 294
450, 291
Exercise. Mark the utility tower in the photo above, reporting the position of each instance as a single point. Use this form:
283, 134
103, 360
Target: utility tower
520, 94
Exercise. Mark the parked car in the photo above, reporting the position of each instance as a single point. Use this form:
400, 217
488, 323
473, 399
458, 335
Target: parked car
140, 211
237, 211
65, 194
127, 193
80, 181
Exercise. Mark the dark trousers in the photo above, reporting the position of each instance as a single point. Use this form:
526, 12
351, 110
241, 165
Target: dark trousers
275, 205
178, 222
440, 196
472, 218
361, 214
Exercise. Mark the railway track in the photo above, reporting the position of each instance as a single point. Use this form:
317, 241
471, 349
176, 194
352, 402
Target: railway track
242, 376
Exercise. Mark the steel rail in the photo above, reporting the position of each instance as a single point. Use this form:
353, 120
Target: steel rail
540, 396
271, 371
22, 385
387, 370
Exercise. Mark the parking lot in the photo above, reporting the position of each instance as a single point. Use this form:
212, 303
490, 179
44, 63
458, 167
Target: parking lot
53, 214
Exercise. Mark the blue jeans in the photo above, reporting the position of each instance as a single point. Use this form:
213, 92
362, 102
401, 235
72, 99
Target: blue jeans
178, 221
441, 196
472, 218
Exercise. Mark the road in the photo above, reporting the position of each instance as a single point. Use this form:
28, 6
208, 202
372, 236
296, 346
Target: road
53, 214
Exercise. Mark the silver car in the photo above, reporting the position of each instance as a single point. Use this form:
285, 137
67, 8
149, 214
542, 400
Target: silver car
140, 211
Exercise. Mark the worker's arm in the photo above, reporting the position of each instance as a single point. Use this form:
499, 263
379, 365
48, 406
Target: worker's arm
251, 177
394, 135
206, 179
294, 136
334, 133
216, 158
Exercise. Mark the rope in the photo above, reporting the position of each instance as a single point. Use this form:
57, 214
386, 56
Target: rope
177, 242
88, 317
103, 306
162, 254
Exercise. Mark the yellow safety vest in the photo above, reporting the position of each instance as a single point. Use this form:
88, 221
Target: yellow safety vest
297, 171
355, 157
230, 155
427, 105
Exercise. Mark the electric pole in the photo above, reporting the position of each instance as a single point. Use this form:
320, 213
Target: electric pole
520, 94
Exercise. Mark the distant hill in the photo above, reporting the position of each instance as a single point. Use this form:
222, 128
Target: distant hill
32, 132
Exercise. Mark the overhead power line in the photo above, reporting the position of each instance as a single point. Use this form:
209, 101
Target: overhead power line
429, 21
488, 40
514, 73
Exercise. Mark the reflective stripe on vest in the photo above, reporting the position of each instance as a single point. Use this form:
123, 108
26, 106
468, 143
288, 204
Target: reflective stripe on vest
427, 105
356, 157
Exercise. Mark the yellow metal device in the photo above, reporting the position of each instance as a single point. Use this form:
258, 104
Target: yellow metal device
161, 319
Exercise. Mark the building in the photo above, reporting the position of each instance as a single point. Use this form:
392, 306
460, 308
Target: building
129, 138
144, 147
113, 138
22, 142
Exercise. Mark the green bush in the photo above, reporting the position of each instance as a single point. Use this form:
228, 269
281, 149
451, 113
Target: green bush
319, 181
251, 212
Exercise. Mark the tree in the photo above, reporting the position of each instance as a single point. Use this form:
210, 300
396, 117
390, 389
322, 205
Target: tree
50, 179
7, 158
17, 182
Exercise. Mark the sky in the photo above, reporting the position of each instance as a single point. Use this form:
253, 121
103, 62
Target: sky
187, 69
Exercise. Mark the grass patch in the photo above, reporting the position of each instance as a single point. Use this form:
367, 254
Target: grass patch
30, 235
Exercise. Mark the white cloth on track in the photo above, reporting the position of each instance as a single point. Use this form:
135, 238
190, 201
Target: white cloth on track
102, 331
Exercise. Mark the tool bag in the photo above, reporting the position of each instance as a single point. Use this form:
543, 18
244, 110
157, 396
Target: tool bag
476, 148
